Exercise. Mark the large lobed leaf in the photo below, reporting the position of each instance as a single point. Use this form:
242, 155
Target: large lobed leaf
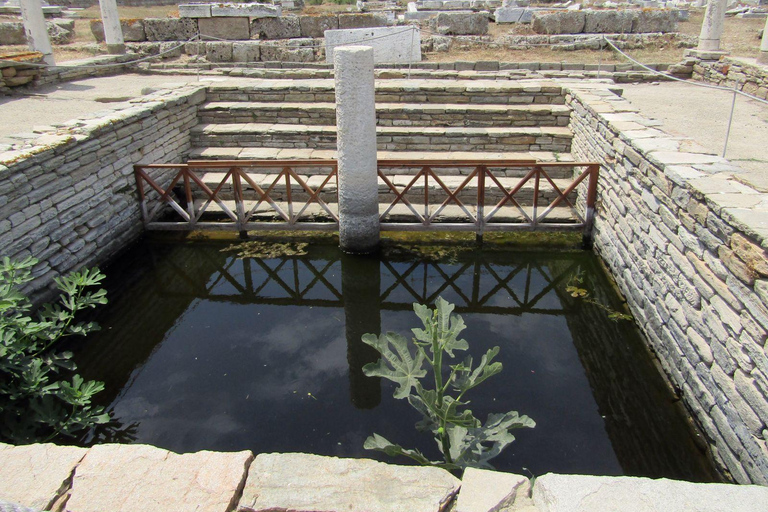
399, 365
441, 327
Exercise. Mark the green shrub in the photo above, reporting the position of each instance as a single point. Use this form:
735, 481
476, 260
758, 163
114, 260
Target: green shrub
40, 395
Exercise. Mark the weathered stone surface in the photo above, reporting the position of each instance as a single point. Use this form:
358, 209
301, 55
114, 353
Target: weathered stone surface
459, 24
34, 475
133, 30
577, 493
750, 253
12, 32
195, 10
303, 483
138, 477
365, 20
231, 29
390, 44
315, 26
490, 491
218, 51
655, 20
513, 14
249, 10
563, 22
170, 29
61, 31
245, 51
609, 22
283, 27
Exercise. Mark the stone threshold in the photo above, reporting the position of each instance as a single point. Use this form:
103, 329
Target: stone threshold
123, 478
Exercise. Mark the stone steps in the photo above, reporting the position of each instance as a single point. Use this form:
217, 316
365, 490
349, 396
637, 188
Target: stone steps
390, 138
477, 92
399, 213
225, 153
389, 114
468, 194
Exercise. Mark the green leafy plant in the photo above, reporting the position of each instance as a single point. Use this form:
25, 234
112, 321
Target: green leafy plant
463, 440
575, 288
40, 396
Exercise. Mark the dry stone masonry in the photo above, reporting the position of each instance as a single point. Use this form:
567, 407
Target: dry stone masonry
686, 243
68, 197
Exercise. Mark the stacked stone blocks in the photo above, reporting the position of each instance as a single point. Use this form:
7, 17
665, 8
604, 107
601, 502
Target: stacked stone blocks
686, 243
69, 197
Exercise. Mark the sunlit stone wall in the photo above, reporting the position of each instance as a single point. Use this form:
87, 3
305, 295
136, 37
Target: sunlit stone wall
685, 242
68, 197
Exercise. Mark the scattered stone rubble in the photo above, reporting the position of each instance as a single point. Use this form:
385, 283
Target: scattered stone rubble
127, 478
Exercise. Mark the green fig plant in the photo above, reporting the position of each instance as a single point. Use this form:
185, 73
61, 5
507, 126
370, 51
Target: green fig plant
40, 395
463, 439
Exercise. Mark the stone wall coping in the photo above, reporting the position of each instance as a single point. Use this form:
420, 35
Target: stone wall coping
123, 478
55, 139
708, 176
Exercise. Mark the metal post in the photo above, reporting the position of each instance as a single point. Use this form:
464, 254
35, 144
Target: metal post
730, 118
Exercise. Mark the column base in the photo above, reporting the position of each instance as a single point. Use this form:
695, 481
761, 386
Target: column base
706, 54
763, 58
116, 49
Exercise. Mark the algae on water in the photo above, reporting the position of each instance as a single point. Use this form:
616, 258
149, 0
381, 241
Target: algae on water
267, 250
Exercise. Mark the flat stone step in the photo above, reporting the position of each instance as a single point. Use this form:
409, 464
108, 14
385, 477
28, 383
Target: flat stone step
391, 138
221, 153
415, 194
389, 114
399, 213
493, 92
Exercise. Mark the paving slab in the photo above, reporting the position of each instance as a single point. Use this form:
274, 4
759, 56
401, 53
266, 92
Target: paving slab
578, 493
490, 491
131, 478
35, 475
298, 482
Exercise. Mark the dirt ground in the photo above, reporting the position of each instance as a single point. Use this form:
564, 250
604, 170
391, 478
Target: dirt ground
740, 38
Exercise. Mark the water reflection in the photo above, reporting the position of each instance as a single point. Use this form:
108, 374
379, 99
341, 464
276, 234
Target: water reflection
201, 350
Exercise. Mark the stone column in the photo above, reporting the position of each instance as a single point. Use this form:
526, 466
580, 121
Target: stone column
35, 30
712, 26
356, 145
763, 57
113, 32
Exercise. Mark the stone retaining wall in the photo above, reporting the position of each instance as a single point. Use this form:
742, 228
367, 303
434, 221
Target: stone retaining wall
68, 198
609, 21
239, 28
128, 478
744, 74
686, 243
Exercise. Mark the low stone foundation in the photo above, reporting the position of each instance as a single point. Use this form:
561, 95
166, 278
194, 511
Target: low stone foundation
128, 478
744, 74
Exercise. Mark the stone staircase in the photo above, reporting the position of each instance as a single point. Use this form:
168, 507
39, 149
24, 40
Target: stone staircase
416, 120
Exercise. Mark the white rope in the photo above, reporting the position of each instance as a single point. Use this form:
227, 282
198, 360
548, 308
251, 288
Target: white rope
690, 82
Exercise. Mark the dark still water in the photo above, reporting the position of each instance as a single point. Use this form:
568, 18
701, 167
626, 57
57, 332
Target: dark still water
202, 350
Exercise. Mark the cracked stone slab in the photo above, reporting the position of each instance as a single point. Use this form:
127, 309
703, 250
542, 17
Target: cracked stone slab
578, 493
490, 491
34, 475
298, 482
123, 478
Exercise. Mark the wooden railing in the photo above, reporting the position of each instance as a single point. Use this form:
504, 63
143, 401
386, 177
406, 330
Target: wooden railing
248, 195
